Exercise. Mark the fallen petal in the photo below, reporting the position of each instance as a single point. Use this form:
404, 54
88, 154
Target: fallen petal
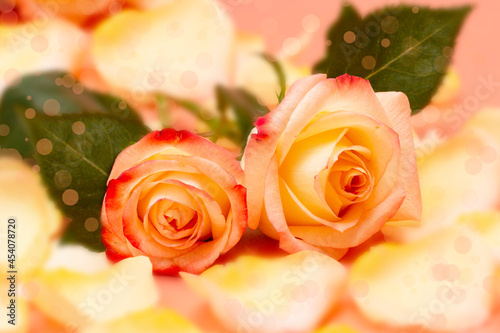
487, 225
289, 294
151, 321
336, 329
78, 300
443, 282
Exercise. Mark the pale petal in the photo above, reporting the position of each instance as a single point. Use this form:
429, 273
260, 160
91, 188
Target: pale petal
154, 320
293, 294
336, 329
76, 258
23, 197
441, 282
488, 120
78, 299
487, 225
54, 47
181, 48
449, 88
452, 181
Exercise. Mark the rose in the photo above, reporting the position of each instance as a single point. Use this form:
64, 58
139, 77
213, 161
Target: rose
176, 198
331, 165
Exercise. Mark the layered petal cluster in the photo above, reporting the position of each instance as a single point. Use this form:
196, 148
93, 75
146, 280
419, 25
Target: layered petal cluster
331, 165
176, 198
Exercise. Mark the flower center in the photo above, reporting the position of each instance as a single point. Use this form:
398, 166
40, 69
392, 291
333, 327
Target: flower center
179, 217
348, 180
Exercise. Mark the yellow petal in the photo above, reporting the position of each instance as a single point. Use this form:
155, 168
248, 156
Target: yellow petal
289, 294
336, 329
77, 259
181, 48
488, 120
21, 320
29, 48
486, 224
24, 199
151, 320
441, 282
448, 89
454, 179
78, 299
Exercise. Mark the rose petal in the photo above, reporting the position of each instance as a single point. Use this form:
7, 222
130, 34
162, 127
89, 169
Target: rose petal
78, 299
451, 185
128, 56
487, 225
262, 145
292, 296
278, 228
26, 49
336, 329
23, 197
152, 320
158, 141
345, 93
438, 283
398, 109
77, 259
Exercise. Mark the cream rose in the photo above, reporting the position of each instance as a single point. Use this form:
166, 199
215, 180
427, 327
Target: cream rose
176, 198
331, 165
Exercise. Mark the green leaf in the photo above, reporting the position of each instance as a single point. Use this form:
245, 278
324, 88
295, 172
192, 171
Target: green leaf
75, 149
400, 48
348, 20
246, 109
281, 75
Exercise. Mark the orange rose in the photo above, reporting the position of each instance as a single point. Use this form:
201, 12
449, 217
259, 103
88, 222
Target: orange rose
176, 198
331, 165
